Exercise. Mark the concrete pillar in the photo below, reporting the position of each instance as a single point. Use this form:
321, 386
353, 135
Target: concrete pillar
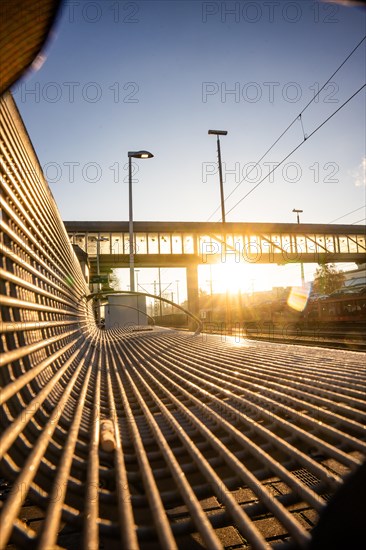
192, 289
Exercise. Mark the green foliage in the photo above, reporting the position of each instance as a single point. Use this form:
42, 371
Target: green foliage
327, 279
114, 281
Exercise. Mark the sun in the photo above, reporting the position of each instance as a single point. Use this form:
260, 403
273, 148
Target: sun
230, 277
244, 277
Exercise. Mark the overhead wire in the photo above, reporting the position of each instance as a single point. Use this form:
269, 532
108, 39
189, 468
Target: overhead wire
296, 148
298, 117
348, 214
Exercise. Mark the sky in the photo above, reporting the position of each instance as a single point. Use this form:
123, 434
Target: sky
157, 75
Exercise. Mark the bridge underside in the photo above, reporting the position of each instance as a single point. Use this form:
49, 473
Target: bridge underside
109, 261
187, 245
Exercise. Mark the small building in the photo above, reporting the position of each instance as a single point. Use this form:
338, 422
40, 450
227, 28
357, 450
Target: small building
125, 311
355, 277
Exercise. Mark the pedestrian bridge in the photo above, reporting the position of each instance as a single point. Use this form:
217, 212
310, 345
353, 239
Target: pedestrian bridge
180, 244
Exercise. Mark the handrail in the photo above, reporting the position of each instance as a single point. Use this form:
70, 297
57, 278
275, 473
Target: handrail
100, 294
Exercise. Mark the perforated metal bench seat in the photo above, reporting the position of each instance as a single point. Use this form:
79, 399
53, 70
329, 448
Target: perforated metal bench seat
116, 439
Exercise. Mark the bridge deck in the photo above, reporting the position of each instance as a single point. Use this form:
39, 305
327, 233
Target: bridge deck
171, 244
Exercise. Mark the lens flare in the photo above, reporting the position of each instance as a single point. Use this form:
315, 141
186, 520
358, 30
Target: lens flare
298, 298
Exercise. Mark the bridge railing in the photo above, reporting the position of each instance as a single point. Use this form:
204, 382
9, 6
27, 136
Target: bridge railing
254, 247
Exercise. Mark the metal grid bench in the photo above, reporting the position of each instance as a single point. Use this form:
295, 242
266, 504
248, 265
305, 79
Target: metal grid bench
153, 440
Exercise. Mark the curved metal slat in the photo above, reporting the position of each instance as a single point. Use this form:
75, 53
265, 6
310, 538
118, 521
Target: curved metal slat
210, 443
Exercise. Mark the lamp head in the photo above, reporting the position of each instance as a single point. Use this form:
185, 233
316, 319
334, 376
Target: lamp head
218, 132
140, 154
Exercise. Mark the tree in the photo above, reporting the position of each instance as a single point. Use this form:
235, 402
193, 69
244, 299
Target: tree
114, 281
327, 279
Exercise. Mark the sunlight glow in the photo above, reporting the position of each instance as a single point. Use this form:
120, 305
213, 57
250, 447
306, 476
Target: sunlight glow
229, 277
238, 277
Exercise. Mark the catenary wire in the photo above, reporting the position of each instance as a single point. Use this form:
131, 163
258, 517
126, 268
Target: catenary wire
348, 213
296, 148
298, 117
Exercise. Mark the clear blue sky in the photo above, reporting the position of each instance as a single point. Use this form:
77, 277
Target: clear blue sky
156, 75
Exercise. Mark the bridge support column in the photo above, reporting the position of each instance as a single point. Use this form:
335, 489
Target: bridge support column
192, 290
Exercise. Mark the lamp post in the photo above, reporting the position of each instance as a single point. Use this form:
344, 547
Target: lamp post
137, 271
211, 294
298, 212
177, 283
99, 240
219, 133
133, 155
160, 302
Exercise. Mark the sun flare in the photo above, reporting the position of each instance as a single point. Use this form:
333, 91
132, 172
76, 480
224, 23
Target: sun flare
247, 278
235, 278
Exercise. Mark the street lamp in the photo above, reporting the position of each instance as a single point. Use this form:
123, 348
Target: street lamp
137, 271
133, 155
298, 212
177, 283
99, 240
219, 133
